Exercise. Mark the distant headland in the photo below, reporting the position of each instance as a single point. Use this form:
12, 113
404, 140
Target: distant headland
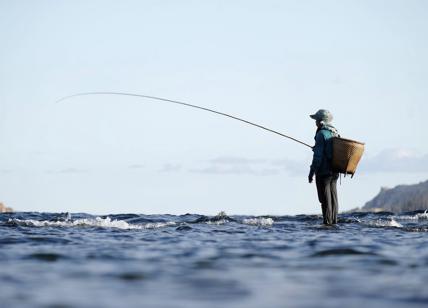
5, 209
402, 198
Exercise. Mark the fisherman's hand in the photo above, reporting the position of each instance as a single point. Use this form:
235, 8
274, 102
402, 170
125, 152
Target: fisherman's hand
311, 177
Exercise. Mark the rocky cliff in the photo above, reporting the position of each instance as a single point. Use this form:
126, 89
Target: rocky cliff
402, 198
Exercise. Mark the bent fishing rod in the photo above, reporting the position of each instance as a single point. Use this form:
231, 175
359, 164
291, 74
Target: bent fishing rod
183, 104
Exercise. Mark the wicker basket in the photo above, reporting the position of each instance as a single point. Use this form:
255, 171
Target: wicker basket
346, 155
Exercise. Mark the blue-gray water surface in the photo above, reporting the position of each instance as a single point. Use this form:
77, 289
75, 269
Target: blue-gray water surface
130, 260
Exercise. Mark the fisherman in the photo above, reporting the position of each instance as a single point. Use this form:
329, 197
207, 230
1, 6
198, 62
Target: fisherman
325, 177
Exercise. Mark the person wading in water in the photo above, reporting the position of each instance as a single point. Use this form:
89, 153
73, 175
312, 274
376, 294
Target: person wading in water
325, 177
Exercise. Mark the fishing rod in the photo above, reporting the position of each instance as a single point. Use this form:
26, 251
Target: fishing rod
184, 104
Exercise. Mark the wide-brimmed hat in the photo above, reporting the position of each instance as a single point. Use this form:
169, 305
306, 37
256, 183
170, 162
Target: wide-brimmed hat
322, 115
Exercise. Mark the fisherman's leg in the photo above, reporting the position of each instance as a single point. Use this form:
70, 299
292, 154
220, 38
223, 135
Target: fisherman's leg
322, 196
328, 201
334, 199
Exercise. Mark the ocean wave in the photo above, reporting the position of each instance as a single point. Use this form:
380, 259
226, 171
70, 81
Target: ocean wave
341, 252
90, 222
385, 223
418, 216
217, 222
220, 219
258, 221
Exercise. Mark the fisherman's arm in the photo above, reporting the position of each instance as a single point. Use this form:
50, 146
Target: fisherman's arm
318, 150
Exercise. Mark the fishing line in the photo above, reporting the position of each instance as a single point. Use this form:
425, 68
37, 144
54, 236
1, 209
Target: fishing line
184, 104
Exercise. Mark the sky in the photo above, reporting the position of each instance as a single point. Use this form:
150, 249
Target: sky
270, 62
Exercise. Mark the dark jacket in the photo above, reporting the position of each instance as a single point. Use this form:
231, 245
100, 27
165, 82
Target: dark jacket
323, 150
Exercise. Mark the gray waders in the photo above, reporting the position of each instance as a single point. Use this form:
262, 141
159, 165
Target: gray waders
327, 195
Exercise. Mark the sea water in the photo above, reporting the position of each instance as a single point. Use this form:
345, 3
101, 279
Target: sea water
133, 260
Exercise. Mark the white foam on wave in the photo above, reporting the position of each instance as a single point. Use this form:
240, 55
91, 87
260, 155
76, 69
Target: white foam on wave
419, 216
386, 223
91, 222
217, 222
258, 221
